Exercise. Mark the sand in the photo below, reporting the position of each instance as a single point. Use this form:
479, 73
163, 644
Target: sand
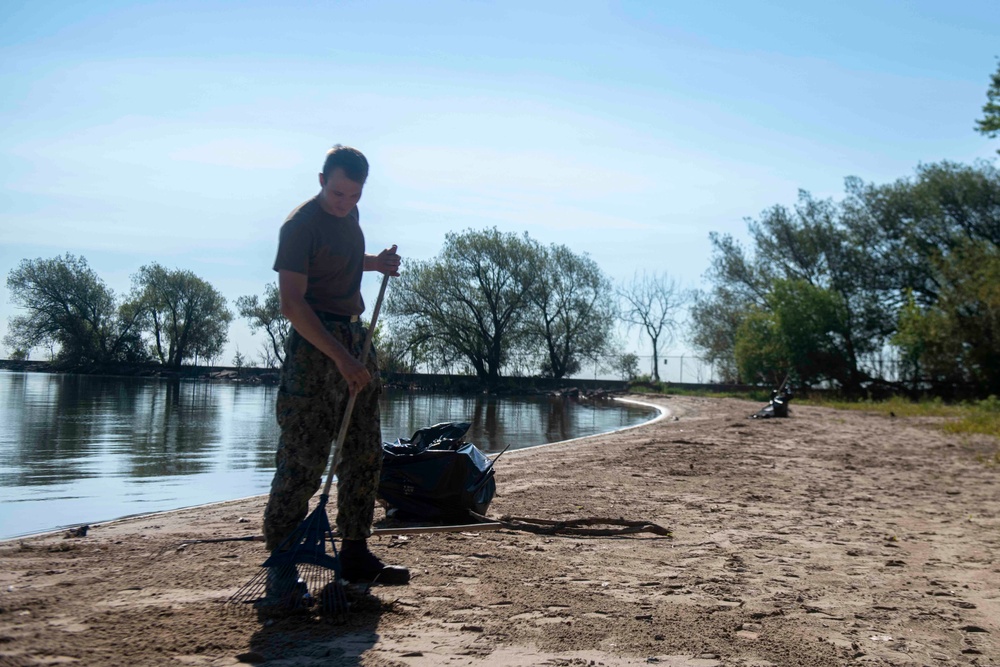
829, 538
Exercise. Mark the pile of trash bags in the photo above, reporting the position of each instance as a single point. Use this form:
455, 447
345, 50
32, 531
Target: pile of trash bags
435, 476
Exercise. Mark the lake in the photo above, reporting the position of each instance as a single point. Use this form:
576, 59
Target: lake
84, 449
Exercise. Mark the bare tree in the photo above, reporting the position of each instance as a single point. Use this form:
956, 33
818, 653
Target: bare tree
653, 303
266, 358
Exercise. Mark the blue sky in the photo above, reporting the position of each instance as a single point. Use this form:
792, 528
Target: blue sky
184, 132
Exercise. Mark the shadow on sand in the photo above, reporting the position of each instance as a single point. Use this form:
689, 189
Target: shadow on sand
305, 640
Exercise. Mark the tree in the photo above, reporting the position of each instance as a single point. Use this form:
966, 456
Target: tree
470, 302
393, 354
954, 344
759, 349
802, 333
626, 365
69, 306
715, 318
858, 262
907, 225
266, 358
989, 124
239, 361
653, 303
186, 316
573, 310
818, 248
266, 315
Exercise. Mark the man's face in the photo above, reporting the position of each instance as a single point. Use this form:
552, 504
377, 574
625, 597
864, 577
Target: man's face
339, 194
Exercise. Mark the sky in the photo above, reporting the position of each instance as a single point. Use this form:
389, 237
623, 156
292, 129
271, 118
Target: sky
184, 132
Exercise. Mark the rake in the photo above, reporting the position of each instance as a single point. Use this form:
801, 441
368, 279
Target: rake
303, 576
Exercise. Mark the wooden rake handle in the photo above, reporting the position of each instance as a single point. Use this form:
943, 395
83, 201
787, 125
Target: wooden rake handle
346, 422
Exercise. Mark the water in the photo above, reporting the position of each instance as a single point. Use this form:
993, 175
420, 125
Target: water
81, 449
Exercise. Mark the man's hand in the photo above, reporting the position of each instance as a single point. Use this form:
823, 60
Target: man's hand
292, 288
354, 372
387, 261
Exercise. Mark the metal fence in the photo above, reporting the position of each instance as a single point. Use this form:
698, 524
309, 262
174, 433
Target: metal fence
673, 368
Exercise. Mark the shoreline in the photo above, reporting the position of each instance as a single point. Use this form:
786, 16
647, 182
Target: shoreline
256, 376
662, 413
828, 538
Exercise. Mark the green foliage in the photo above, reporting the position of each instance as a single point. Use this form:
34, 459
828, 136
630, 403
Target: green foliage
68, 306
185, 315
715, 319
814, 329
975, 417
907, 264
393, 354
645, 384
989, 124
982, 417
956, 340
498, 302
760, 350
572, 311
807, 271
910, 224
266, 315
471, 303
626, 365
897, 405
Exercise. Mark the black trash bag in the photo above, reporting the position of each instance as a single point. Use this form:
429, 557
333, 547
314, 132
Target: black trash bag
436, 476
777, 406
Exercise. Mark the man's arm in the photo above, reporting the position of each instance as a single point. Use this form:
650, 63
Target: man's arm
292, 290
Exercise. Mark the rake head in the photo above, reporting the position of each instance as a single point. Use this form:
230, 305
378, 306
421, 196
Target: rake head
299, 576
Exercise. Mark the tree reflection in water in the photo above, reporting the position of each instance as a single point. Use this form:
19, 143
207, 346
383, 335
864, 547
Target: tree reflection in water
169, 443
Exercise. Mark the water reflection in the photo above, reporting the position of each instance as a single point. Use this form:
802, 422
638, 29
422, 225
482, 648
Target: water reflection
81, 449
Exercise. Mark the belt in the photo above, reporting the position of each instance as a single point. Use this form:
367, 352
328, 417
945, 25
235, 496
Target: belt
337, 317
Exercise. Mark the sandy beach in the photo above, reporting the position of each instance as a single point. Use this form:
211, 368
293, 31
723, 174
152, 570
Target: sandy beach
829, 538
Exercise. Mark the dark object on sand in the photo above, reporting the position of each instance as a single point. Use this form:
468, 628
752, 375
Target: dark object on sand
777, 406
300, 575
79, 531
436, 476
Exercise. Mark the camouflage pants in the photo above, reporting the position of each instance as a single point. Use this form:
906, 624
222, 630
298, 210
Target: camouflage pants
312, 398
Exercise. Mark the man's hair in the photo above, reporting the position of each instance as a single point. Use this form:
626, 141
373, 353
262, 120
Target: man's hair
351, 160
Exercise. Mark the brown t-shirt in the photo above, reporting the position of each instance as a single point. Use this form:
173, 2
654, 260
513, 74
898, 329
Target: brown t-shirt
330, 251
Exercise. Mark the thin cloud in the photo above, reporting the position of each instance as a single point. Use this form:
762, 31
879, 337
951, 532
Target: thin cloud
238, 154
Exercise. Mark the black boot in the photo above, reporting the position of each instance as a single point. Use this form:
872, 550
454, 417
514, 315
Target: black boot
358, 565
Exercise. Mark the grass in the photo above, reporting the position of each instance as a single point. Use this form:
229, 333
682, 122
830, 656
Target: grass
981, 417
975, 417
667, 388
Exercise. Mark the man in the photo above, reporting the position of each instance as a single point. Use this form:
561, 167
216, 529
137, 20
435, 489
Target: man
320, 261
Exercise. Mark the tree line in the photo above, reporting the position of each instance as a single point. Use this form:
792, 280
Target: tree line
822, 293
826, 289
496, 303
169, 316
